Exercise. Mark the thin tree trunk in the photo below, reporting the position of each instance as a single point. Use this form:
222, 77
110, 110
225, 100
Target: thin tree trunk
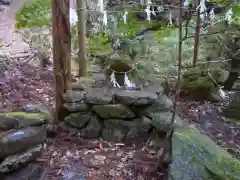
163, 150
197, 33
82, 54
61, 51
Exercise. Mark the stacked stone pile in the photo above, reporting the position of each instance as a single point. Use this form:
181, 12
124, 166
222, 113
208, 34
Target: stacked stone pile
118, 115
22, 140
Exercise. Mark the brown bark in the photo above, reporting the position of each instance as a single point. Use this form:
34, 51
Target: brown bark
61, 51
82, 52
197, 33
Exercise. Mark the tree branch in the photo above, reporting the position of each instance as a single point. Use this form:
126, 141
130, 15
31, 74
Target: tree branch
162, 151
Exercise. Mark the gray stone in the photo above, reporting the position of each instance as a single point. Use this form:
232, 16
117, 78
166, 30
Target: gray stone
5, 2
139, 132
116, 129
74, 96
78, 120
161, 121
196, 156
16, 161
163, 104
29, 172
15, 141
13, 120
98, 97
7, 123
92, 130
135, 98
112, 111
76, 107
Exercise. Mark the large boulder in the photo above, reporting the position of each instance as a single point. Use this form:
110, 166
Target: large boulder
196, 156
14, 141
200, 83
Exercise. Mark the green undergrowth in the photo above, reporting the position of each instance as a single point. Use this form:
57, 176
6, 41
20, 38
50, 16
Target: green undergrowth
34, 14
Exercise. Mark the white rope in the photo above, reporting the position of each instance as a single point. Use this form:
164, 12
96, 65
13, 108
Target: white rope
220, 91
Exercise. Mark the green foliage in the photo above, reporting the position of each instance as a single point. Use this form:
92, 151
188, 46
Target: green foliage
34, 14
236, 11
135, 25
98, 43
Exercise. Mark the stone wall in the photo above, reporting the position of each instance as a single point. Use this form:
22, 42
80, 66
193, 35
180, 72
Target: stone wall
119, 115
22, 138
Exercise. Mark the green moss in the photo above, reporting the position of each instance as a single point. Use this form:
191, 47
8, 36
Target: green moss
34, 14
222, 2
198, 83
29, 116
217, 162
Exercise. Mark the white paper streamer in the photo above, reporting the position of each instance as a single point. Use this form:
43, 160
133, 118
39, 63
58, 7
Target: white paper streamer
113, 80
203, 9
212, 16
170, 18
124, 18
127, 82
222, 93
229, 16
73, 16
160, 8
105, 20
153, 12
101, 5
185, 3
148, 11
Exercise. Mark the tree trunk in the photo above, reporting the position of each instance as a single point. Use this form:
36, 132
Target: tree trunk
82, 54
61, 51
197, 33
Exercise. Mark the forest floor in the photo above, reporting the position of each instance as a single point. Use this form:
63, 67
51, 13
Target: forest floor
22, 84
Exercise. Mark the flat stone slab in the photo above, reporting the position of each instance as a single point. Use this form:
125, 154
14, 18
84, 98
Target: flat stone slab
76, 107
16, 161
137, 98
14, 120
15, 141
112, 111
98, 97
74, 96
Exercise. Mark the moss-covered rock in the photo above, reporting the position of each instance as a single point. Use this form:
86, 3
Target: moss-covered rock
196, 156
13, 120
199, 84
